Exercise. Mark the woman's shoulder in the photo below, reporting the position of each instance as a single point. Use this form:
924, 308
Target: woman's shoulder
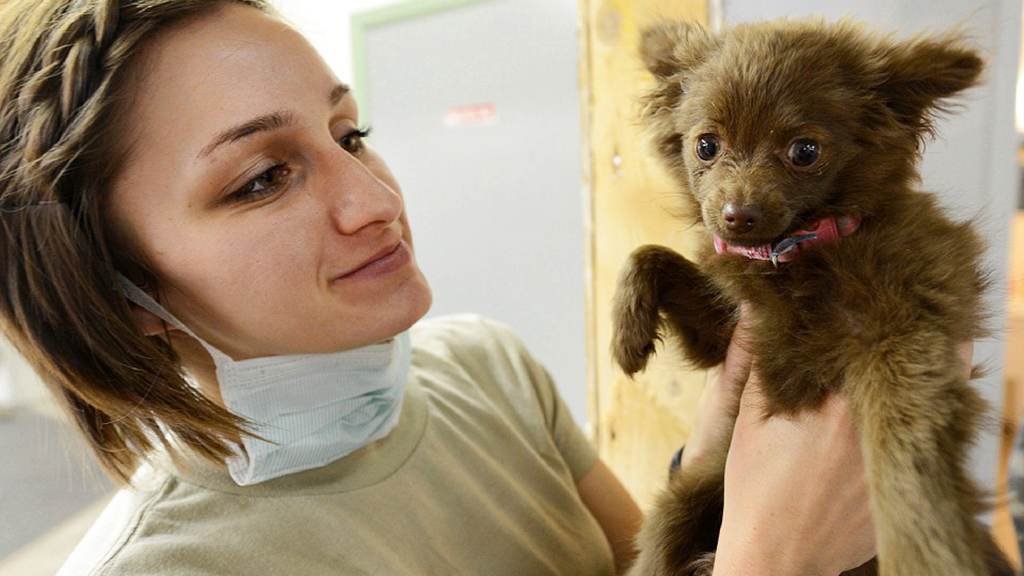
164, 525
489, 354
485, 350
485, 357
112, 533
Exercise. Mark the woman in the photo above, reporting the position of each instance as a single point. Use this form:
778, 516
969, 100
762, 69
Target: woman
215, 274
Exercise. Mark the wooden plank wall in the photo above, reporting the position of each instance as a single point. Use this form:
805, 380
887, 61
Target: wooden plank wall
1013, 403
639, 424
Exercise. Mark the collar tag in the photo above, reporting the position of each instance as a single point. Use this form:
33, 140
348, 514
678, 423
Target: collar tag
788, 245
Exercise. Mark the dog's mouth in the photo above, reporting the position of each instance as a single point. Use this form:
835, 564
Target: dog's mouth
752, 225
768, 233
748, 241
753, 241
785, 247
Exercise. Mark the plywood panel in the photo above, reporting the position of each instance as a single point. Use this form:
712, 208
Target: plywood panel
1013, 404
638, 424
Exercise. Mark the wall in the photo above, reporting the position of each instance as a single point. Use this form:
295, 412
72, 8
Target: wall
326, 24
495, 200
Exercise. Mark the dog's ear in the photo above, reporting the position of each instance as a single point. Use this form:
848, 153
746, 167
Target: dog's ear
918, 75
668, 51
669, 48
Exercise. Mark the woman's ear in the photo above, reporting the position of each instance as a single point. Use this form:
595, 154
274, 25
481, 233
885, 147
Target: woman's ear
136, 295
150, 323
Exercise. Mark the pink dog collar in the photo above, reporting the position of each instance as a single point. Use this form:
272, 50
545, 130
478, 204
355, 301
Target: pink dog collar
824, 231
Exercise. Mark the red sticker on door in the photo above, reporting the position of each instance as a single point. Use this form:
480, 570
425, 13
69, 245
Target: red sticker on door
471, 114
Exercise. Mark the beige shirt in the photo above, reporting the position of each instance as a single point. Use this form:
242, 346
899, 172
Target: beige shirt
479, 477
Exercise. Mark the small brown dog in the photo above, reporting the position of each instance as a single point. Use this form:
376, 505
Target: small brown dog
795, 144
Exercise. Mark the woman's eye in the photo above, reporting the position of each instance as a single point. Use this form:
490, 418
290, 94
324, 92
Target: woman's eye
803, 152
708, 147
275, 178
265, 184
353, 141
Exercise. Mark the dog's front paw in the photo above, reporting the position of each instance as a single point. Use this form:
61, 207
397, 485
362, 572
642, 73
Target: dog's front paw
631, 350
635, 319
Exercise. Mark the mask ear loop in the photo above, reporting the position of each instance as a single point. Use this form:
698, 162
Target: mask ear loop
136, 295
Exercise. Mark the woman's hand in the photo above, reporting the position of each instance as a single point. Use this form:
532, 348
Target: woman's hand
796, 493
796, 496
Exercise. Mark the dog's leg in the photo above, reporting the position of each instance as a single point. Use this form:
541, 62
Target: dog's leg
680, 534
997, 564
659, 285
917, 418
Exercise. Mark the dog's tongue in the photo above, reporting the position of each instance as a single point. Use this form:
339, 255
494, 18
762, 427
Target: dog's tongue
826, 230
762, 252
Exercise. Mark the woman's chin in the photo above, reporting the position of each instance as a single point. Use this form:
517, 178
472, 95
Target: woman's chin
411, 304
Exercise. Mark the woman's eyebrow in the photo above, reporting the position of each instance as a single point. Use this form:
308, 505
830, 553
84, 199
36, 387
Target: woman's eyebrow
266, 123
337, 93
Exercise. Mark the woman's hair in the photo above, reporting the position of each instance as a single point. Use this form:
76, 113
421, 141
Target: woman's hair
67, 71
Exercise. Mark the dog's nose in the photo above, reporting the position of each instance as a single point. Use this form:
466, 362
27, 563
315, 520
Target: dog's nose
742, 218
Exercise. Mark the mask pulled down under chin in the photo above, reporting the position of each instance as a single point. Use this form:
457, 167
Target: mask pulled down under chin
309, 409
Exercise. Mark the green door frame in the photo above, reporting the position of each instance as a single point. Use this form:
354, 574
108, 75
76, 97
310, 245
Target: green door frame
363, 22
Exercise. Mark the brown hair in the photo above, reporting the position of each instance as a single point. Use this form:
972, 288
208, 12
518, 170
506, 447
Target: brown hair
65, 71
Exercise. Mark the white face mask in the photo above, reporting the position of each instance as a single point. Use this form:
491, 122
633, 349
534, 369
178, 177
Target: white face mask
311, 408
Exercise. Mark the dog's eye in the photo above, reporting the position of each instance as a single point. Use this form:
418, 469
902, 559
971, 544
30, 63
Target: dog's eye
707, 147
804, 152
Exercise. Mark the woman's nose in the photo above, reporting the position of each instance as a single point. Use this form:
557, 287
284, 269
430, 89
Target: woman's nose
356, 197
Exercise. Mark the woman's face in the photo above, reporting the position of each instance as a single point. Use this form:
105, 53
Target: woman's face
271, 226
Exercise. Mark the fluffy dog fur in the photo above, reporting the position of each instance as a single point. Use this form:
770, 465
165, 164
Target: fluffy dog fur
876, 315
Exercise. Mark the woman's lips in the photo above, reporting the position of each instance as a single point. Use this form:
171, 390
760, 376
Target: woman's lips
386, 263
